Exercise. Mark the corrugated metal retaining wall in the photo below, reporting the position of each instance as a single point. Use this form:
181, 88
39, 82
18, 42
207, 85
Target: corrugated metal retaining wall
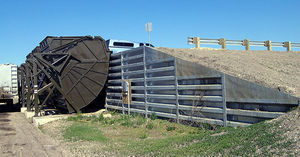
157, 87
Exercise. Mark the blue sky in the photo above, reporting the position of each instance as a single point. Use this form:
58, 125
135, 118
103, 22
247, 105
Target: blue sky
25, 23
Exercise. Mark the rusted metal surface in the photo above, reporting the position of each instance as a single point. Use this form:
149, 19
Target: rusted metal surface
71, 71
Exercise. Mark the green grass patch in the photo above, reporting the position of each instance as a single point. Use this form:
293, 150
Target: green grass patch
82, 131
236, 142
133, 135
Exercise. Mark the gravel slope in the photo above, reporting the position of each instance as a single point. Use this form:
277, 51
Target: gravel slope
275, 69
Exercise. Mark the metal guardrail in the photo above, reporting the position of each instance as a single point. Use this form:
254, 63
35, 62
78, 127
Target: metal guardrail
246, 43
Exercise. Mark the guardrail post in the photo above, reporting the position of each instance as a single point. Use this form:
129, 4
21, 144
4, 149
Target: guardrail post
268, 44
222, 42
287, 44
196, 41
246, 43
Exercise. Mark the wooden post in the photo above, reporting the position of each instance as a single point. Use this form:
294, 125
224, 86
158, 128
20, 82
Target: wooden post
246, 44
196, 41
28, 88
23, 87
287, 44
35, 90
222, 42
268, 44
127, 99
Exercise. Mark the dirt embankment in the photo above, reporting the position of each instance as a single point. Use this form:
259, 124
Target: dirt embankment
276, 69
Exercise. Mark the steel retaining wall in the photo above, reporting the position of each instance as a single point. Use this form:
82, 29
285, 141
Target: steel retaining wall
177, 89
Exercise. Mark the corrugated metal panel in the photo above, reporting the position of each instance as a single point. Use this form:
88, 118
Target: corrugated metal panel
174, 88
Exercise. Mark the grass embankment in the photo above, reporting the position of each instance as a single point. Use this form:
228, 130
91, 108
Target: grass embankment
135, 135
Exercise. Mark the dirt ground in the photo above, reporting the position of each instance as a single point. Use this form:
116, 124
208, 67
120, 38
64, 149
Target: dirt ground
20, 138
276, 69
290, 122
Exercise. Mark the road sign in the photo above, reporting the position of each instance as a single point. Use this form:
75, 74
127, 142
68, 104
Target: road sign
148, 27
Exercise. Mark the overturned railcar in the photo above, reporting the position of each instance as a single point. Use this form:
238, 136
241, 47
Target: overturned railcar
65, 72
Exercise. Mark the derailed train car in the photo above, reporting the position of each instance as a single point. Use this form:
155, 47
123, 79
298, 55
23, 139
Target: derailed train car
68, 73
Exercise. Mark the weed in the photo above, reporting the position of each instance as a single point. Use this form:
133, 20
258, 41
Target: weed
140, 120
100, 117
78, 117
153, 116
144, 135
293, 108
110, 121
170, 128
150, 126
126, 121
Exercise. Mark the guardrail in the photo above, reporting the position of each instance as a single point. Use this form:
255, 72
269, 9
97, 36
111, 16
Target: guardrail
247, 43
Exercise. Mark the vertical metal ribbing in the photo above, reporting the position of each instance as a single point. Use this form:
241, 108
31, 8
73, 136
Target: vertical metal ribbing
176, 88
224, 100
145, 83
128, 99
122, 78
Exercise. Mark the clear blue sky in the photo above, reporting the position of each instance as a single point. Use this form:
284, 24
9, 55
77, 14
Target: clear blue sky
24, 23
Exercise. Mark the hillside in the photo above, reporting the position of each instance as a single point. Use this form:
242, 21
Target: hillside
276, 69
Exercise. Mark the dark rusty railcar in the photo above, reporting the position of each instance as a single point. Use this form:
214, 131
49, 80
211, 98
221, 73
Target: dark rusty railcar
67, 72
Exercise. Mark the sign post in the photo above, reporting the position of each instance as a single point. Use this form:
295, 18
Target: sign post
148, 27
